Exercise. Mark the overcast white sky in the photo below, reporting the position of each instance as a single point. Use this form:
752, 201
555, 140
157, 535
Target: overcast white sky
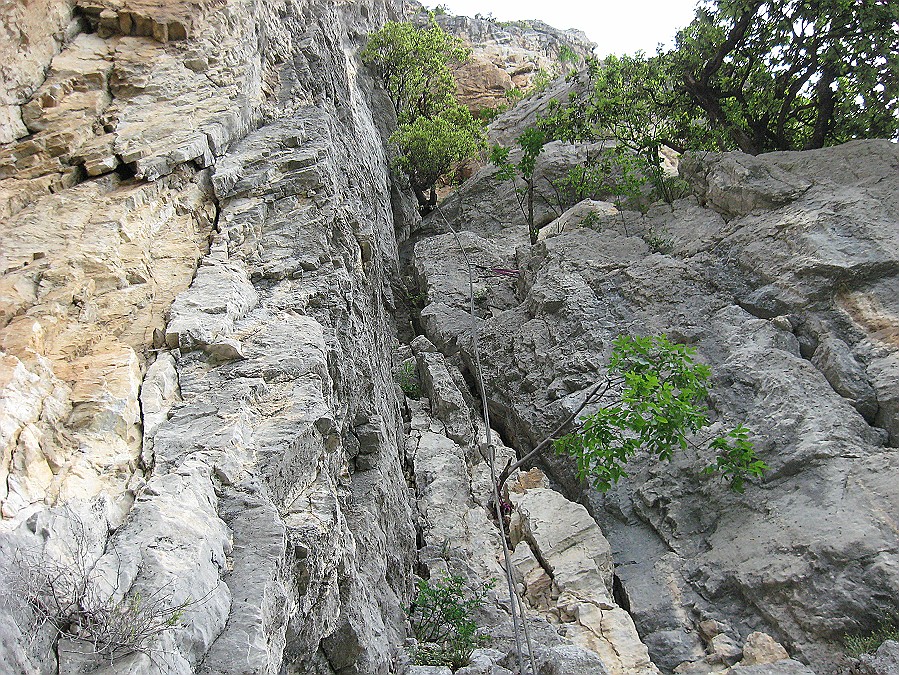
616, 26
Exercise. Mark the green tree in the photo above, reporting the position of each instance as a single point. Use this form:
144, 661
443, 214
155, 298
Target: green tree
430, 146
753, 75
530, 144
434, 132
626, 102
792, 74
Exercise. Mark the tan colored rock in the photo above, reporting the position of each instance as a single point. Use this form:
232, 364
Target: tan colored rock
568, 540
32, 33
90, 274
535, 585
482, 84
761, 648
506, 55
569, 543
533, 478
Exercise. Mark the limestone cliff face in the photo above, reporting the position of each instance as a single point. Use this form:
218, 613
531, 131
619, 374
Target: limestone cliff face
197, 247
504, 55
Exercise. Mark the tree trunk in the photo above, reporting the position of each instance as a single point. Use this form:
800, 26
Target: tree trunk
826, 105
708, 101
532, 230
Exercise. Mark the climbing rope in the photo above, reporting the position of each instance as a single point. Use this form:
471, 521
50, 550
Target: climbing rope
515, 604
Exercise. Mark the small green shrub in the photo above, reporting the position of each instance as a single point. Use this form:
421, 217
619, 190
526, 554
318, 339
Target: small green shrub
590, 220
658, 393
406, 377
541, 82
442, 622
515, 94
868, 643
568, 55
487, 115
659, 241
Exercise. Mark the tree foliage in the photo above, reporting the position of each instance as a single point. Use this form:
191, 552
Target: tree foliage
750, 75
657, 394
791, 74
429, 147
753, 75
530, 144
434, 132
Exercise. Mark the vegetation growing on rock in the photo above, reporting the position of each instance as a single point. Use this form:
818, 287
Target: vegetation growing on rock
651, 400
434, 131
442, 622
749, 75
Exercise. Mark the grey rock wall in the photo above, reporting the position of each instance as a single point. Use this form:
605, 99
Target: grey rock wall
782, 272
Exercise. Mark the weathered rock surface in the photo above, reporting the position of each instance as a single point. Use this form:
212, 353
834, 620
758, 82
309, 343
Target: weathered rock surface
195, 332
787, 287
575, 625
90, 274
577, 558
197, 254
885, 661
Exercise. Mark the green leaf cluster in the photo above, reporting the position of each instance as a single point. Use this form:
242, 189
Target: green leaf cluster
659, 407
868, 643
442, 622
791, 74
413, 64
429, 147
568, 55
434, 132
406, 376
530, 143
750, 75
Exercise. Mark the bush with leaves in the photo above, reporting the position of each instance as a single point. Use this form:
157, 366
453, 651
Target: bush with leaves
406, 376
442, 622
753, 75
618, 102
434, 132
568, 55
869, 642
429, 147
657, 394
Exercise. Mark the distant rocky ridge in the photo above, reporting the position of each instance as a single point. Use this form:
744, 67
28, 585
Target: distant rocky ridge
505, 55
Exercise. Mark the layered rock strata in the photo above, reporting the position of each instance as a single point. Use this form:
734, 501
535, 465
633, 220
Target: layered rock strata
196, 339
506, 55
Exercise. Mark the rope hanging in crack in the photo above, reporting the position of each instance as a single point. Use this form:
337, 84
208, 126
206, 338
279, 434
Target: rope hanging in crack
515, 604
